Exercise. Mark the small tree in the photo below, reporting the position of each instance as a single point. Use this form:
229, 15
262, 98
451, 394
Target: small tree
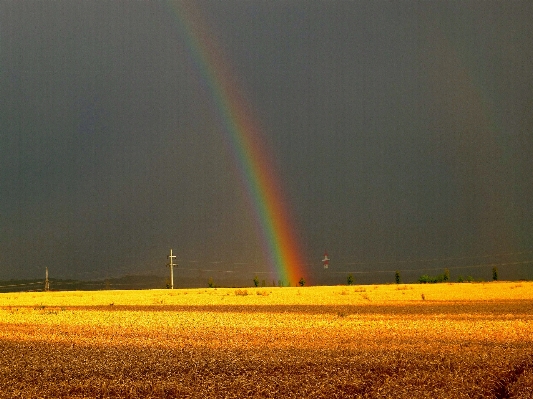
494, 274
397, 277
301, 282
446, 275
210, 282
256, 281
350, 279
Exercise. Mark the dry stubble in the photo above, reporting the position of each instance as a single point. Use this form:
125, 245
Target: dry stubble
463, 340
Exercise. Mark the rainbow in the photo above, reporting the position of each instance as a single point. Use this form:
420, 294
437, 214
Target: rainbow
251, 155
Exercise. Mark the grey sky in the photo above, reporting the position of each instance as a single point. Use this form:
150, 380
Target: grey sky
401, 130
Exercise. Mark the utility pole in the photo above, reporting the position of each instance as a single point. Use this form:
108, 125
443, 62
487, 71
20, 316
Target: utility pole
171, 265
325, 261
46, 282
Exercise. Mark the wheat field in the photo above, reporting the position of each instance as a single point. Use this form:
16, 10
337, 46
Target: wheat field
381, 341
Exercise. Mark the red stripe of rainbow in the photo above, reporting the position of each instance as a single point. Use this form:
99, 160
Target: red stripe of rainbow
251, 154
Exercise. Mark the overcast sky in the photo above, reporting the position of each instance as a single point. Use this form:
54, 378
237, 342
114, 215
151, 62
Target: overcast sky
401, 131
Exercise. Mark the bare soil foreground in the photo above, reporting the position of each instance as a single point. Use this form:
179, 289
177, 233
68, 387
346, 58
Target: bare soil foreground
390, 341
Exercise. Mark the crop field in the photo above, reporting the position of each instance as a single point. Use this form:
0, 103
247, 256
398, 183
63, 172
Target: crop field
383, 341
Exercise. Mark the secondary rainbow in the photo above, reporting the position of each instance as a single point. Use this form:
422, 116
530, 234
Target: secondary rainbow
251, 155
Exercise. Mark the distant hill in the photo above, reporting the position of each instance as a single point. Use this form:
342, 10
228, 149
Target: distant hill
121, 283
319, 277
129, 282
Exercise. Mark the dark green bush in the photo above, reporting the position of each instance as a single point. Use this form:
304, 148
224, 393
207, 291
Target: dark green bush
425, 279
350, 279
446, 275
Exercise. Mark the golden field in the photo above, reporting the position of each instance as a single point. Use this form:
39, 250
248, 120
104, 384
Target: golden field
382, 341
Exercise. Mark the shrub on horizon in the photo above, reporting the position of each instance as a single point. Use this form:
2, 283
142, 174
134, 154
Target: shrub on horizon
446, 275
350, 279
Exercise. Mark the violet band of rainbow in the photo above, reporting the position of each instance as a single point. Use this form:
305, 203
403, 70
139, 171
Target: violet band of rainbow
262, 184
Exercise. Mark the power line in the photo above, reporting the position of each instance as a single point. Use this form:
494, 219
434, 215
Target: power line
439, 268
403, 261
21, 285
375, 262
206, 270
436, 259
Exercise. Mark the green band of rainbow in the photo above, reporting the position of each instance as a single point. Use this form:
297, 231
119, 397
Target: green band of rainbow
251, 154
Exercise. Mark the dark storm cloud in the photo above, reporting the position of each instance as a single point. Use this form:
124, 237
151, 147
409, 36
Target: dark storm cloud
411, 153
402, 131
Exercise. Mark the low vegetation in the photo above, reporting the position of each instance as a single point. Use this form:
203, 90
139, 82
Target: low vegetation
350, 280
461, 341
424, 279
